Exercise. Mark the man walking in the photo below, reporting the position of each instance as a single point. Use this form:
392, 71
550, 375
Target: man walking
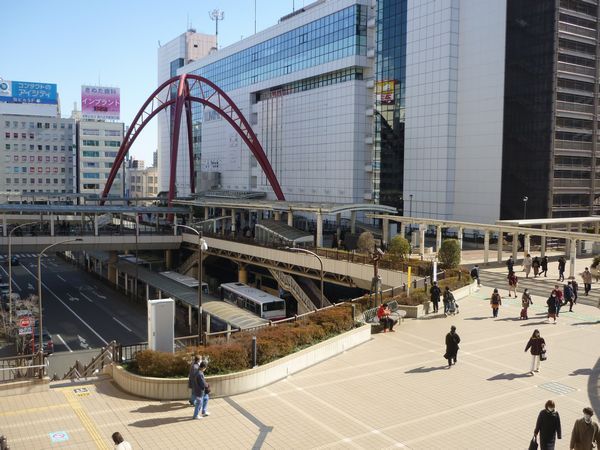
562, 264
510, 264
585, 432
452, 341
544, 265
194, 367
199, 386
568, 295
435, 292
587, 280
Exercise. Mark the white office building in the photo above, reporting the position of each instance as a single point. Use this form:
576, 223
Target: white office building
171, 56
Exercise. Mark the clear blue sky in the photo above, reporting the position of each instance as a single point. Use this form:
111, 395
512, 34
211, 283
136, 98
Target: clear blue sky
114, 43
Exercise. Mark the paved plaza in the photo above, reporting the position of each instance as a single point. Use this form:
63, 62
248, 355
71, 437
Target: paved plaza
392, 392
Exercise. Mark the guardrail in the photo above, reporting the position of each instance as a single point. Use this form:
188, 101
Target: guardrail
18, 368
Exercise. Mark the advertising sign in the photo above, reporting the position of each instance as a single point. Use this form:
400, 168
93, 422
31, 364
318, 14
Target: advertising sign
28, 92
100, 103
385, 91
25, 322
25, 330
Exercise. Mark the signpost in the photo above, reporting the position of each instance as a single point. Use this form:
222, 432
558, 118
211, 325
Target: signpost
23, 331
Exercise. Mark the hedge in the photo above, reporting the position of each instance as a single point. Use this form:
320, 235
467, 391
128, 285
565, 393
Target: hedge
272, 343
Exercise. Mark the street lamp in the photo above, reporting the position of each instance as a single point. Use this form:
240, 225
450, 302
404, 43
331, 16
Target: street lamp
202, 246
303, 250
525, 198
39, 286
10, 267
410, 208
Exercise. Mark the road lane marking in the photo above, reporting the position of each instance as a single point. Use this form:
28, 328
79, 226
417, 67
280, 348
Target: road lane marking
61, 278
63, 341
86, 297
72, 312
14, 282
122, 324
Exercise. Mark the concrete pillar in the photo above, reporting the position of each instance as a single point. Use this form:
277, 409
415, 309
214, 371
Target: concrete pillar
51, 224
207, 321
277, 216
500, 240
486, 246
402, 229
4, 225
147, 292
206, 213
526, 245
353, 222
137, 224
338, 226
168, 259
290, 218
121, 223
96, 224
543, 244
573, 256
159, 294
438, 238
242, 274
515, 246
113, 258
580, 241
567, 243
126, 282
319, 218
422, 229
385, 235
460, 238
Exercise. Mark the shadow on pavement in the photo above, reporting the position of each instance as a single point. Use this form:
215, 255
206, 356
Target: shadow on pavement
163, 407
594, 388
478, 318
509, 319
431, 317
263, 429
528, 324
585, 323
581, 372
423, 369
508, 376
149, 423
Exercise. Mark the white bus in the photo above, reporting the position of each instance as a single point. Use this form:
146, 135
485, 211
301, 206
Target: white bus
254, 300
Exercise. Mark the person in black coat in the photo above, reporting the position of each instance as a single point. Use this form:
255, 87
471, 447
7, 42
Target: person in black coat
544, 265
452, 341
548, 426
435, 293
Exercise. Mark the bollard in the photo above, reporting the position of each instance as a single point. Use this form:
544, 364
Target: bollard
254, 353
415, 284
353, 312
403, 287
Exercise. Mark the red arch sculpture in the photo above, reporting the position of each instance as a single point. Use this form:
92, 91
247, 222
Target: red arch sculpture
211, 96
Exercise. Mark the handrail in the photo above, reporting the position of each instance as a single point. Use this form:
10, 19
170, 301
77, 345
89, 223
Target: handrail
289, 284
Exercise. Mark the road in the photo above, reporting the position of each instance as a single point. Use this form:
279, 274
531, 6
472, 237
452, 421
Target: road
80, 312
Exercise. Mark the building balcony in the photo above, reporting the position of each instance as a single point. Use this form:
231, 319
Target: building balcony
575, 69
576, 30
573, 145
580, 185
575, 107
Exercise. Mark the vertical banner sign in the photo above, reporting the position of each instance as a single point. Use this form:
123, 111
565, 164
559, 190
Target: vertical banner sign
385, 91
434, 270
409, 280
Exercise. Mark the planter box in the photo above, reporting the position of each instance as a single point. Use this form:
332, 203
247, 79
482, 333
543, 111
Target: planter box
239, 382
414, 312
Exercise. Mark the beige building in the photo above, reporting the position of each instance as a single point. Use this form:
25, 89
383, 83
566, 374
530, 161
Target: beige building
142, 182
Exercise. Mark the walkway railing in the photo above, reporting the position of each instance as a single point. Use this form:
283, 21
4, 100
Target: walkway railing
19, 368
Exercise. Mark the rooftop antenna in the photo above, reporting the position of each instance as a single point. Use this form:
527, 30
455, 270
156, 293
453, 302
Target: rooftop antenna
216, 15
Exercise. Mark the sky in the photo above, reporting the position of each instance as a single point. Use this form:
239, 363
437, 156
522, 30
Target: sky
114, 43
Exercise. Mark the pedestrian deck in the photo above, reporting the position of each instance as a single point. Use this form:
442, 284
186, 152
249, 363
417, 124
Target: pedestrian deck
392, 392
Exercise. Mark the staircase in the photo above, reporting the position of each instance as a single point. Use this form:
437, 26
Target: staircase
314, 292
188, 264
106, 356
288, 283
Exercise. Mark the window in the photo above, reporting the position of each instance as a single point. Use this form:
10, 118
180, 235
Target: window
88, 154
90, 132
112, 143
7, 146
7, 135
91, 143
91, 175
110, 154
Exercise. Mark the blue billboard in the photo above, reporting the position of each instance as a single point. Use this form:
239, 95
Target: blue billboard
27, 92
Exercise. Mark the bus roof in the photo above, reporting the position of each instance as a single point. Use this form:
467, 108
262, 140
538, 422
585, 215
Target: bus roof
256, 294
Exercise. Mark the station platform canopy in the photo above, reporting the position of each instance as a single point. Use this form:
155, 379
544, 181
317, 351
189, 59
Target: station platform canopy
32, 208
549, 222
281, 232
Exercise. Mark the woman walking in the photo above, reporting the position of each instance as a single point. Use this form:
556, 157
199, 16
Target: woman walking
513, 281
552, 306
537, 346
495, 302
525, 303
452, 341
548, 426
527, 262
544, 265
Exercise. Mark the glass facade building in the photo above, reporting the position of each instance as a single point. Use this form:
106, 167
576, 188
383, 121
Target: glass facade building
390, 81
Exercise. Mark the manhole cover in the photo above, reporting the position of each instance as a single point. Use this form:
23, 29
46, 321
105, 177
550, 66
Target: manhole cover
557, 388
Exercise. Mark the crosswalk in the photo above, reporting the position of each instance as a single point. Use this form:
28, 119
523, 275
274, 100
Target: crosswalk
22, 255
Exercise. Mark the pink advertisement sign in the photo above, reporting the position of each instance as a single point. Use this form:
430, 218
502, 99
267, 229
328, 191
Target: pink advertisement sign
100, 103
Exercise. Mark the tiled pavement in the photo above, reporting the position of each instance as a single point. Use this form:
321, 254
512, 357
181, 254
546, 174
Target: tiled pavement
392, 392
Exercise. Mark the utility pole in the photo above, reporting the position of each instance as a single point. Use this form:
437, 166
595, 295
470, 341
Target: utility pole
216, 15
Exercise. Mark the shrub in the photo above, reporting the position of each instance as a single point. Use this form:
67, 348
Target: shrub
595, 262
226, 358
399, 248
274, 342
151, 363
366, 242
449, 254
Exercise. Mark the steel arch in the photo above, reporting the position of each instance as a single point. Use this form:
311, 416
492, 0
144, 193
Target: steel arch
211, 96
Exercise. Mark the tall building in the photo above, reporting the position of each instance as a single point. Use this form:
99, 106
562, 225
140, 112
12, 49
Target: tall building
38, 145
98, 143
173, 55
142, 182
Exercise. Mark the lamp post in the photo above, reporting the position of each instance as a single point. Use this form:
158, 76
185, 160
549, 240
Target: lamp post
202, 246
39, 286
10, 267
410, 208
303, 250
525, 198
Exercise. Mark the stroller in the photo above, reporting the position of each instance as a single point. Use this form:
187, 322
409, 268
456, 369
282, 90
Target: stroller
452, 308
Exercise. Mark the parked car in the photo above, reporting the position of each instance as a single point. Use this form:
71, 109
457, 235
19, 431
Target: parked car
14, 260
48, 344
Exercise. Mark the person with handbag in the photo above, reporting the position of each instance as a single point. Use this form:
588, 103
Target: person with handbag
548, 426
495, 302
513, 282
537, 347
452, 341
525, 303
585, 434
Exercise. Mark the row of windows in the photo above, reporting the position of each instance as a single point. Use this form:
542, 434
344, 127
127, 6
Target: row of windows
33, 158
91, 186
578, 137
574, 98
574, 161
574, 174
92, 165
575, 84
580, 61
568, 122
579, 6
577, 21
32, 180
32, 147
95, 143
571, 200
96, 132
39, 170
332, 37
45, 125
576, 46
341, 76
8, 135
96, 154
